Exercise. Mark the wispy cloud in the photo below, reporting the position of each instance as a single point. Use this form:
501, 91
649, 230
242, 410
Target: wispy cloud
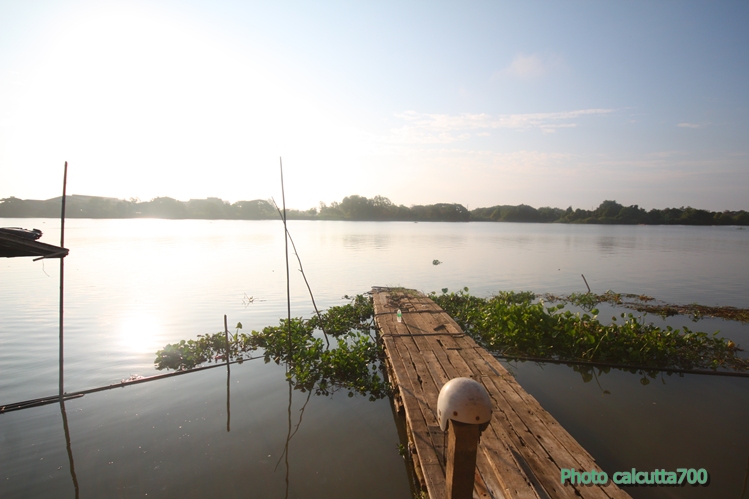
530, 67
446, 128
688, 125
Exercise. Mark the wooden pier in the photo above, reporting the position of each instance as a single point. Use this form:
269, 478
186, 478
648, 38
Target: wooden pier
524, 448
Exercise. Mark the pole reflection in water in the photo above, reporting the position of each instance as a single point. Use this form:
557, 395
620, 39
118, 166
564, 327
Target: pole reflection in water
289, 434
228, 376
68, 446
285, 454
228, 404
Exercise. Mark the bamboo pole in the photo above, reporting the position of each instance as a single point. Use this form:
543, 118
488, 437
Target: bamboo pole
286, 248
62, 276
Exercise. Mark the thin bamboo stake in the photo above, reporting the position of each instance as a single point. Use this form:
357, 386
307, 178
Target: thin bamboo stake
62, 275
286, 247
586, 283
304, 276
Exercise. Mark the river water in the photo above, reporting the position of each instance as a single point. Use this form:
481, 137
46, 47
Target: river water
132, 286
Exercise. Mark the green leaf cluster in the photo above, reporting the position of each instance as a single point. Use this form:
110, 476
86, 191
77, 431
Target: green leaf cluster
648, 304
353, 363
514, 324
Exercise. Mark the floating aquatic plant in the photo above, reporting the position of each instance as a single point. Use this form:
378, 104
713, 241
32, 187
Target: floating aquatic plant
648, 304
513, 324
352, 364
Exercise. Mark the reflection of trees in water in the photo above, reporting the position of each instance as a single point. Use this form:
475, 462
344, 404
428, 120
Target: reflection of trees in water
352, 363
590, 373
593, 371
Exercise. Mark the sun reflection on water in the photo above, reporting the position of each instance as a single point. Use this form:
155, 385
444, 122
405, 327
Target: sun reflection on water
140, 332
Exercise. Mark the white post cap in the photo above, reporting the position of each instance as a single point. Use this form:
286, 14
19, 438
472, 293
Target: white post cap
464, 400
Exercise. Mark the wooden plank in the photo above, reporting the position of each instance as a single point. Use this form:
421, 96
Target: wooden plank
431, 348
510, 426
541, 445
481, 490
523, 449
571, 453
560, 446
428, 460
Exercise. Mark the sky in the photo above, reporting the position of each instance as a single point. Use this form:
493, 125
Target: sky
480, 103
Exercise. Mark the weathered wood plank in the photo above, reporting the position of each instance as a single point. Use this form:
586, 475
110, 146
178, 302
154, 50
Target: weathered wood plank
572, 456
430, 466
524, 422
524, 448
561, 449
517, 485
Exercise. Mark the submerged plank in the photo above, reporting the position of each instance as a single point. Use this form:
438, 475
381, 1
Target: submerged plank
524, 448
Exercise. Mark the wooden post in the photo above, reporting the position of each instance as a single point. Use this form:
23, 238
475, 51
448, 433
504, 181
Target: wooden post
463, 409
462, 445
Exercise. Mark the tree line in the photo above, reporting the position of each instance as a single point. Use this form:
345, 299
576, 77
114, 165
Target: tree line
359, 208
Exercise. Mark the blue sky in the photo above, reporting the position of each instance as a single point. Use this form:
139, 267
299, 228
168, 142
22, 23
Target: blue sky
479, 103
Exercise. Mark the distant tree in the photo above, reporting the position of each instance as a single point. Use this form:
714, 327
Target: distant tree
740, 218
98, 207
692, 216
209, 208
520, 213
258, 209
656, 217
672, 215
547, 214
383, 208
332, 212
164, 207
606, 212
631, 215
13, 207
356, 208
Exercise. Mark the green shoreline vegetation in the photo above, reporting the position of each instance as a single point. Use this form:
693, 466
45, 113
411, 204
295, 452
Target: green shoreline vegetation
359, 208
509, 324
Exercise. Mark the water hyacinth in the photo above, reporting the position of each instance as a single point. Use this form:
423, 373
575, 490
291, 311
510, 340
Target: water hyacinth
513, 324
351, 364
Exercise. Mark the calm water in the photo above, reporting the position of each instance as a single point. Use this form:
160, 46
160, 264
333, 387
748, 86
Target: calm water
133, 286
